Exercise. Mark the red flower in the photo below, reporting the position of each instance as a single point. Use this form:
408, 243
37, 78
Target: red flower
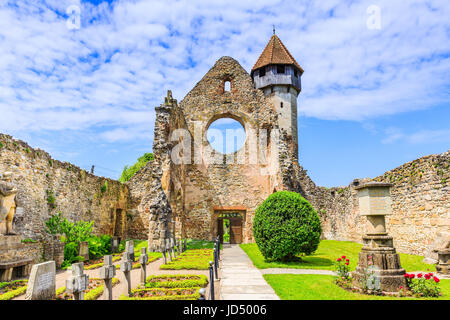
427, 276
347, 260
346, 263
436, 279
411, 276
406, 275
419, 275
343, 257
431, 274
401, 287
338, 259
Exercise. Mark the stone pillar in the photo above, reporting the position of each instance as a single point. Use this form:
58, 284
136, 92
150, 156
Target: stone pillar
125, 267
378, 259
78, 282
107, 273
143, 258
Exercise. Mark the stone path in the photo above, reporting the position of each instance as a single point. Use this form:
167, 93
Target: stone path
240, 279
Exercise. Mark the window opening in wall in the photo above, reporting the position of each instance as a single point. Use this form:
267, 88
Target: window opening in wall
227, 86
295, 73
281, 105
280, 69
262, 72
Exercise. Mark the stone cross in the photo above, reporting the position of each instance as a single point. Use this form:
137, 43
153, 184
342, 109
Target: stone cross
164, 254
172, 242
168, 248
125, 267
107, 272
143, 258
78, 282
41, 284
83, 250
129, 247
115, 241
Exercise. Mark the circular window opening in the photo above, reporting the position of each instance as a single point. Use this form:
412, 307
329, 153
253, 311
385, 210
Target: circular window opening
226, 135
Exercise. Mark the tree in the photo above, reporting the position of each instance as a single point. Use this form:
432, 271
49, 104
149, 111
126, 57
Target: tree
128, 172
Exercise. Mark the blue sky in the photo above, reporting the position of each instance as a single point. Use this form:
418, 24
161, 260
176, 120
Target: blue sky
372, 99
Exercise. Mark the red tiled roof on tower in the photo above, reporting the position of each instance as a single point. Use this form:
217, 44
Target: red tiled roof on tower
275, 53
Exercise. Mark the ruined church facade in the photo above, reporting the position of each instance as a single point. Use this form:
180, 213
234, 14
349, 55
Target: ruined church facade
194, 186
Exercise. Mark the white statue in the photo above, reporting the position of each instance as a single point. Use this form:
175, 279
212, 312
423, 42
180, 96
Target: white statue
7, 204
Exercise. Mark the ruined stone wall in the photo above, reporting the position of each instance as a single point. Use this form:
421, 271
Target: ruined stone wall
420, 205
223, 185
77, 193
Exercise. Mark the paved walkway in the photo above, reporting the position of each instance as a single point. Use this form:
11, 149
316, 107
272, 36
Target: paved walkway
240, 279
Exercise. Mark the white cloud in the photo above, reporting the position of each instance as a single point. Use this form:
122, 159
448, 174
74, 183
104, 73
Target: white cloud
419, 137
119, 64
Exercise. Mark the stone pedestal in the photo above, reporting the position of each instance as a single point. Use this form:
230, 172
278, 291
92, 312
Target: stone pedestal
379, 267
443, 265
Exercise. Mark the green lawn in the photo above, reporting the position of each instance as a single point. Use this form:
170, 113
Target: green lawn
321, 287
326, 255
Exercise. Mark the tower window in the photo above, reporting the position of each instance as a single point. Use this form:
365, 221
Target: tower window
227, 86
281, 105
295, 73
262, 72
280, 68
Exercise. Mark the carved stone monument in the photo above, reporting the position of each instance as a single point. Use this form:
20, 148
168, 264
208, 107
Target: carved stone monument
107, 273
7, 204
378, 258
41, 284
78, 282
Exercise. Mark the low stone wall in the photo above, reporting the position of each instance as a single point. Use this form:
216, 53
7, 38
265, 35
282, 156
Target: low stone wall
47, 186
420, 205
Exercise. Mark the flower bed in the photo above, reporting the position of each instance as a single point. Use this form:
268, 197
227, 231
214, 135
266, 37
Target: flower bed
191, 259
10, 290
163, 294
176, 281
422, 285
94, 290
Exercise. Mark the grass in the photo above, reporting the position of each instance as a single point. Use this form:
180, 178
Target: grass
326, 255
322, 287
194, 259
200, 244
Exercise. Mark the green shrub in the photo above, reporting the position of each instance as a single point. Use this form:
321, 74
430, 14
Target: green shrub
71, 255
99, 246
285, 225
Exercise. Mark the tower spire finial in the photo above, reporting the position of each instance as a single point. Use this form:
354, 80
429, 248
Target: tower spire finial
273, 29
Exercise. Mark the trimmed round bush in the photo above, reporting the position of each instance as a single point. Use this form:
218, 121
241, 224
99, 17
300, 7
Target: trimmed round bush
286, 224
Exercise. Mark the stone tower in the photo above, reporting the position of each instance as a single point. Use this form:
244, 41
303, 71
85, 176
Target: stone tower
278, 75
